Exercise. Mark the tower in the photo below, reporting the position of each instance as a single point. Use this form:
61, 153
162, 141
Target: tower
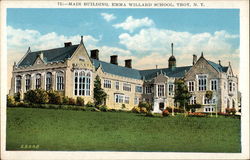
172, 60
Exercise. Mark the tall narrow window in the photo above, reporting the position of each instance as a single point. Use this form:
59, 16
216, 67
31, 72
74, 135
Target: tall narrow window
136, 101
76, 83
213, 84
27, 82
48, 81
191, 86
193, 100
202, 82
234, 87
59, 81
160, 90
18, 83
88, 84
170, 89
119, 98
117, 85
38, 81
148, 89
230, 87
81, 83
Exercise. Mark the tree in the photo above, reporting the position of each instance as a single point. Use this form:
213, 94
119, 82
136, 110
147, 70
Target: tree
182, 95
99, 94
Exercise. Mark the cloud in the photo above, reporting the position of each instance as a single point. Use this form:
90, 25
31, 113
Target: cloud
158, 40
108, 17
130, 24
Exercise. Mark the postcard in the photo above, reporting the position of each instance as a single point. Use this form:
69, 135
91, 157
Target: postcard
124, 79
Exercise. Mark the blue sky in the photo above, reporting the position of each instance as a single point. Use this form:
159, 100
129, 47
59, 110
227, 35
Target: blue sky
145, 35
70, 22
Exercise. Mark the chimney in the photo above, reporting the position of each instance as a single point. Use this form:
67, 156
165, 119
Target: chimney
128, 63
194, 59
94, 54
67, 44
113, 59
219, 63
41, 55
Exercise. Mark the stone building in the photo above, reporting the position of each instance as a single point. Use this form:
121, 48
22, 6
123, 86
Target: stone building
71, 71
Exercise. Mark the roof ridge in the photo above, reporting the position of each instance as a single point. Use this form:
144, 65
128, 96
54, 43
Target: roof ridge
53, 48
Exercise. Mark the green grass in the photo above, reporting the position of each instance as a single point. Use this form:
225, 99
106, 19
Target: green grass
119, 131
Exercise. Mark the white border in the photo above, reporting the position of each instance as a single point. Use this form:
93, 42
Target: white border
243, 5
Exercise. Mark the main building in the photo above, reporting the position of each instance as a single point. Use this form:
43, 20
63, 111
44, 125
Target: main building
71, 71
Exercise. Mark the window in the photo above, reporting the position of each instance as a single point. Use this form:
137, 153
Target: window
38, 81
59, 81
82, 83
234, 87
138, 89
230, 86
214, 84
126, 99
107, 83
202, 82
191, 86
126, 87
136, 101
208, 109
192, 100
160, 90
208, 101
18, 83
171, 89
117, 85
148, 89
119, 98
27, 82
48, 81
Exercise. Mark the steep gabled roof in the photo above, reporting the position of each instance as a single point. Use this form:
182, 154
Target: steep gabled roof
51, 55
117, 70
177, 72
218, 67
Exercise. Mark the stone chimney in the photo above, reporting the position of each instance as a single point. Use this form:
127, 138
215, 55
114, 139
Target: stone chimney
94, 54
67, 44
128, 63
194, 59
113, 59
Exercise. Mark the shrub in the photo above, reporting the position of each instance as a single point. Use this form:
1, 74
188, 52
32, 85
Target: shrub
17, 97
123, 106
136, 110
169, 109
112, 110
72, 101
37, 96
165, 113
90, 104
228, 110
143, 110
54, 97
233, 111
65, 100
10, 101
103, 108
79, 101
145, 105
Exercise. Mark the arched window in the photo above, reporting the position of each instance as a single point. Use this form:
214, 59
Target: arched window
48, 81
59, 81
27, 82
82, 83
18, 83
233, 103
38, 81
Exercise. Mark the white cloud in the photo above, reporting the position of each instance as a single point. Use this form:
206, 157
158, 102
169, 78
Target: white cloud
108, 17
131, 23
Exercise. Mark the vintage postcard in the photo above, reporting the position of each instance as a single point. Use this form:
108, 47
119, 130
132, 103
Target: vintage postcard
124, 79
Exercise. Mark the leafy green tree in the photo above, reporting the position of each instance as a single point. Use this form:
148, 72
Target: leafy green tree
99, 94
182, 95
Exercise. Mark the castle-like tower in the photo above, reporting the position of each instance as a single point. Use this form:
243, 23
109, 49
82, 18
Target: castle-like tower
172, 60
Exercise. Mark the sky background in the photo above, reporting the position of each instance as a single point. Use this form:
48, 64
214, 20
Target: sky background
145, 35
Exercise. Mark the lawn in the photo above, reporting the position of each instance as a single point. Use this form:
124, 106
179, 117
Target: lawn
67, 130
